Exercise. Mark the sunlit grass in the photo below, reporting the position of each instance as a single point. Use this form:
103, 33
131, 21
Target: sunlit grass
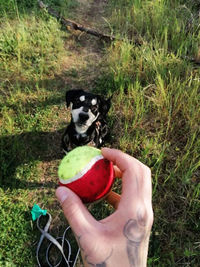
154, 117
32, 113
157, 110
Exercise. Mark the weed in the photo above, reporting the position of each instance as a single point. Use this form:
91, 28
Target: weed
157, 102
154, 117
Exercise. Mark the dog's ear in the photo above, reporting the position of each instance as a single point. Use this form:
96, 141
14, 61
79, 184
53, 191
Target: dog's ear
105, 105
72, 94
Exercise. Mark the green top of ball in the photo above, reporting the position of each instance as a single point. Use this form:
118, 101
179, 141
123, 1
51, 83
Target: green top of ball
76, 160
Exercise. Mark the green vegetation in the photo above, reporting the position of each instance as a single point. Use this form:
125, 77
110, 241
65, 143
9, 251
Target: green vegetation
154, 116
157, 106
32, 113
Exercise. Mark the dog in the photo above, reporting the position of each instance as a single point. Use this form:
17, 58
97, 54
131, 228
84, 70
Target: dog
88, 124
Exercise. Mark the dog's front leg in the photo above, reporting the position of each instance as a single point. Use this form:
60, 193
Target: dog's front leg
66, 142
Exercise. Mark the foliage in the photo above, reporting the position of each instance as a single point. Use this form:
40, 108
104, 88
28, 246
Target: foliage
31, 51
154, 116
156, 103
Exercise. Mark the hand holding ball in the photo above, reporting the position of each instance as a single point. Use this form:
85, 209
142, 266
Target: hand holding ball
87, 173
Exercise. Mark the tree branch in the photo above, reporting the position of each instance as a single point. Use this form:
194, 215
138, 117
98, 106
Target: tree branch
74, 25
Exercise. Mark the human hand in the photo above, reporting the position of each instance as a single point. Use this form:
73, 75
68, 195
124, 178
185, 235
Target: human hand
122, 238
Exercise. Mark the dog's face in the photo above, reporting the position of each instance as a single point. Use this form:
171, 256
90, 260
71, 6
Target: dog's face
85, 108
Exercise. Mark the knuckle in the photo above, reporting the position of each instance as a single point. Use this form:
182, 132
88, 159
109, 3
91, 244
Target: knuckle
147, 171
145, 215
150, 217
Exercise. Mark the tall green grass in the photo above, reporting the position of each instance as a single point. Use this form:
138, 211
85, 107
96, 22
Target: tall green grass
172, 25
156, 107
32, 49
154, 117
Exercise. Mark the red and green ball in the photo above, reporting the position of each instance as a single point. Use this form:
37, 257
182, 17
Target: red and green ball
87, 173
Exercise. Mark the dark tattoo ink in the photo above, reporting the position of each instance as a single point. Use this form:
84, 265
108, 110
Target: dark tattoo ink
78, 241
134, 231
101, 264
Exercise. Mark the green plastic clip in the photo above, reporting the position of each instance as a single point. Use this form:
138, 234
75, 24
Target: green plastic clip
37, 211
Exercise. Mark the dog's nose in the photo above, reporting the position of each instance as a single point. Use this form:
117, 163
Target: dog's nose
83, 117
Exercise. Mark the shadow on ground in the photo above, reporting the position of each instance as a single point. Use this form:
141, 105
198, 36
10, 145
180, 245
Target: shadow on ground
24, 149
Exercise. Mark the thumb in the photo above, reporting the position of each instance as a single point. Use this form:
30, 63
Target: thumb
74, 210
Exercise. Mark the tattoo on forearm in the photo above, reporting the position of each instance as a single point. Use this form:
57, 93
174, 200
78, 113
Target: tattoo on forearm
134, 231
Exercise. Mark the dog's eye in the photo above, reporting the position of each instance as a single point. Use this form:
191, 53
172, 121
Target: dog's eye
94, 101
82, 98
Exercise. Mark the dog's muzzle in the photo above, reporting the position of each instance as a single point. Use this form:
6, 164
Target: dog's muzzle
83, 117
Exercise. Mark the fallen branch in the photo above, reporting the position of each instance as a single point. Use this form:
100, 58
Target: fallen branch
76, 26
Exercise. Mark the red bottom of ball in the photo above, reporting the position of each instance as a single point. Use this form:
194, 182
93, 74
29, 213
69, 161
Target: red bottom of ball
95, 184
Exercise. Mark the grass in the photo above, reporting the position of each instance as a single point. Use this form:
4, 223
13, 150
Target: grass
156, 104
32, 49
154, 117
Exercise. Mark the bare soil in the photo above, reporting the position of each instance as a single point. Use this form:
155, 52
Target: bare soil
81, 66
84, 62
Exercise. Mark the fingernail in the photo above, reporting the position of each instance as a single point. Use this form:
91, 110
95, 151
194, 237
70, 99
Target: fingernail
61, 194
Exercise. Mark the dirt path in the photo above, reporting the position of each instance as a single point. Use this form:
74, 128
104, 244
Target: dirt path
81, 66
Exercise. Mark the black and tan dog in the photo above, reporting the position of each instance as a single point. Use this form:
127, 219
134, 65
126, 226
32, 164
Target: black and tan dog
88, 120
